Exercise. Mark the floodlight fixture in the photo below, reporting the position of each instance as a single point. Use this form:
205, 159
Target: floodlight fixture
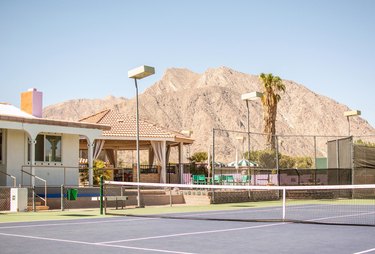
349, 114
251, 96
352, 113
141, 72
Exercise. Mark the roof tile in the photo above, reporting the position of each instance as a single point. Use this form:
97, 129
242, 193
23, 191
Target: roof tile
125, 126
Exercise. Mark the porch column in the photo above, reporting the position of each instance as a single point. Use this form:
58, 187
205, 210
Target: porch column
90, 160
32, 160
164, 164
180, 161
32, 168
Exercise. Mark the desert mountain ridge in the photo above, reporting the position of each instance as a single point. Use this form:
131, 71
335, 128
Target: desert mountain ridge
185, 100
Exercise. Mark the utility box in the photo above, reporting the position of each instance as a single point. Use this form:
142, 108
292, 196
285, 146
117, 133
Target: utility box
18, 199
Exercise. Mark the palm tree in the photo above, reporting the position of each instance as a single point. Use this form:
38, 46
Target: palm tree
272, 85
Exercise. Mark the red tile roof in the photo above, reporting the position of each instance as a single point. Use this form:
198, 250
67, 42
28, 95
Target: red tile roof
47, 121
125, 126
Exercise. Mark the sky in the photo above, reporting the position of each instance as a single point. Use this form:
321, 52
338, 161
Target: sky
71, 49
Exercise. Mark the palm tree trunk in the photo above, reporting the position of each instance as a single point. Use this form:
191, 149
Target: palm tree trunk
269, 120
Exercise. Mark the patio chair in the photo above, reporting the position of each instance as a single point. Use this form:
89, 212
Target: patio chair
228, 179
217, 179
245, 179
199, 179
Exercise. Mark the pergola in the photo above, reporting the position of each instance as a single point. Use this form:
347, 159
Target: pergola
122, 136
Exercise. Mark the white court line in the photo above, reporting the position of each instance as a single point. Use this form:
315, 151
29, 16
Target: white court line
365, 251
93, 244
341, 216
76, 223
246, 210
195, 233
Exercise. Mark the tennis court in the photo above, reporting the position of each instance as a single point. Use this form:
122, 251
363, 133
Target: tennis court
133, 234
279, 219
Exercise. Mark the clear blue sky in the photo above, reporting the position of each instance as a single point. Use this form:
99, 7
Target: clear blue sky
83, 49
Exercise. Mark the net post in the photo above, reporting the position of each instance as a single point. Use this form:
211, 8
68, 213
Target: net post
101, 195
284, 203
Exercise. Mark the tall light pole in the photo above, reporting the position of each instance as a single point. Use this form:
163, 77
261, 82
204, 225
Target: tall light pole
349, 114
250, 97
139, 73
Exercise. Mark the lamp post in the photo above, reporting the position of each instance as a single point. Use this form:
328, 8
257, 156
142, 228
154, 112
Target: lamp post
250, 97
240, 139
139, 73
349, 114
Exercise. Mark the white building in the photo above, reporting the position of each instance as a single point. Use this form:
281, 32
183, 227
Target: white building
45, 148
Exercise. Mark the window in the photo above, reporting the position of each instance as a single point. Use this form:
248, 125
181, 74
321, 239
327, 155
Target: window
47, 148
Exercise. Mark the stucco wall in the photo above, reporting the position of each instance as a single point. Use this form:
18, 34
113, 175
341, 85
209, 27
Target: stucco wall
53, 172
15, 154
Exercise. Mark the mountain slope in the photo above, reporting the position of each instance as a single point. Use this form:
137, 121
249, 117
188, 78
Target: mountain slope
184, 100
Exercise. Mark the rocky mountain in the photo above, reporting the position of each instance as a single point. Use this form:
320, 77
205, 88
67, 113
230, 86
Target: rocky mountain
184, 100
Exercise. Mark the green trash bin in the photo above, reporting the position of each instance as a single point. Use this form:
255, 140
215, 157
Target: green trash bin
72, 194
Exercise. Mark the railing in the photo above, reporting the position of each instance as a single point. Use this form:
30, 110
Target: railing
148, 169
13, 178
34, 194
64, 168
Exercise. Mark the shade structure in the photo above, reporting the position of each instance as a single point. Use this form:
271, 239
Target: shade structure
219, 164
242, 163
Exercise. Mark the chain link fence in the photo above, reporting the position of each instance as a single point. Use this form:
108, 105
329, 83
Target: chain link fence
4, 198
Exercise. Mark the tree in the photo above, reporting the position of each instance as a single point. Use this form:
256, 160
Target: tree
198, 157
264, 158
267, 159
98, 170
364, 143
272, 85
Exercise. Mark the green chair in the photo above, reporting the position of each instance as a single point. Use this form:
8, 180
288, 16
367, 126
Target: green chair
202, 179
217, 179
199, 179
245, 179
195, 179
230, 179
227, 179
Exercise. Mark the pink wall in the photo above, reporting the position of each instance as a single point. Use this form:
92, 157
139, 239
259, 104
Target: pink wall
37, 103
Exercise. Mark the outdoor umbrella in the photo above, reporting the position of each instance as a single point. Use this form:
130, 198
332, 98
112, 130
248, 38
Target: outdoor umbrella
242, 163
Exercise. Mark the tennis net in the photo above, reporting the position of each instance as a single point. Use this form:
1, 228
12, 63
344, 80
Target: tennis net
328, 204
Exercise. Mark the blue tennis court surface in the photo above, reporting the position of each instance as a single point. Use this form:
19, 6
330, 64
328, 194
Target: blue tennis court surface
158, 235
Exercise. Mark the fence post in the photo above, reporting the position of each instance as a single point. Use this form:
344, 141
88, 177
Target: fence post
170, 197
277, 160
101, 195
33, 199
62, 197
213, 165
284, 202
